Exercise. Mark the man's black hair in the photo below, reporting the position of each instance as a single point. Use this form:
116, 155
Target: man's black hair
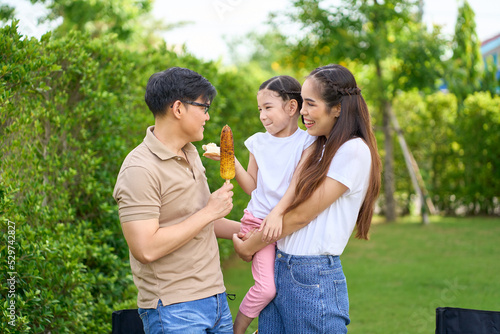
176, 83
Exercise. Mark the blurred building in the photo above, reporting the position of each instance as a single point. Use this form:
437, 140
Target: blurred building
491, 47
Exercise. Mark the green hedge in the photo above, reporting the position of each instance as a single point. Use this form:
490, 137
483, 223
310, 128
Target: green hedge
65, 105
478, 135
456, 149
72, 109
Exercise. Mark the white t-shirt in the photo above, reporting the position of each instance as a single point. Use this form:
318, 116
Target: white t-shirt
277, 158
329, 232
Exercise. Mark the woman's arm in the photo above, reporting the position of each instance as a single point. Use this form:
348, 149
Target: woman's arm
272, 225
328, 192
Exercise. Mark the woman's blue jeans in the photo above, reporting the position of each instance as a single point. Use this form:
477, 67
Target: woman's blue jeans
207, 315
311, 296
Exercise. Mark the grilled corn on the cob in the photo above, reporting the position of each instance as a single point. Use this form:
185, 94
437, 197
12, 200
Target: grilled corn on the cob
227, 167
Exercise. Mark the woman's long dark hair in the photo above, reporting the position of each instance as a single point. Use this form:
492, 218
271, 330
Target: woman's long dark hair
337, 85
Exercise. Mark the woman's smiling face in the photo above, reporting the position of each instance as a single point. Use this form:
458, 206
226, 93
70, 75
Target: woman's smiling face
318, 119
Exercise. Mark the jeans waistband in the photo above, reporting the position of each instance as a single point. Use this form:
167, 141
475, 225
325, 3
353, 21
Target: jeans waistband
297, 259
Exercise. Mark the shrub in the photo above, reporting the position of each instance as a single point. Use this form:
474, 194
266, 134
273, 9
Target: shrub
72, 109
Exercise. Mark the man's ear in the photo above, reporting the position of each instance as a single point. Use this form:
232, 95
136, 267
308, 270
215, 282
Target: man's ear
293, 105
176, 109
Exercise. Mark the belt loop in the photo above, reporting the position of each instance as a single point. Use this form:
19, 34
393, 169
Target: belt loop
332, 260
286, 257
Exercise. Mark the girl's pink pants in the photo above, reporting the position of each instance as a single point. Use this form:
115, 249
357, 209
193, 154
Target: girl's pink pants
264, 289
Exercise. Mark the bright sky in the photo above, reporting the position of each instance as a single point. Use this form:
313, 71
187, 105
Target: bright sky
215, 21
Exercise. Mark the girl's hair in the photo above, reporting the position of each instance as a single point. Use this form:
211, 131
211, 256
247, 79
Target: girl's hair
287, 87
337, 85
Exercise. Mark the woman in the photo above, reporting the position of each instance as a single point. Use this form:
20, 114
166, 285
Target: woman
333, 190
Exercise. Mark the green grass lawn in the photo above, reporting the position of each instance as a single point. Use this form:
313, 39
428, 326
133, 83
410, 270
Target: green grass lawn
398, 278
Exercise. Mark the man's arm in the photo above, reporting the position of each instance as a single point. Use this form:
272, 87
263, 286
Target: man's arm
148, 242
225, 228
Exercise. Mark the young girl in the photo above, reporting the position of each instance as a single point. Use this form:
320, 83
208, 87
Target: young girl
274, 155
334, 190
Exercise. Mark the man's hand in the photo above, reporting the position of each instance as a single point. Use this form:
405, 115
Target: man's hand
239, 245
220, 202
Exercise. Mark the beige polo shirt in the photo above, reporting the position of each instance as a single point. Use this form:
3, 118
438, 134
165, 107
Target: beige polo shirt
155, 183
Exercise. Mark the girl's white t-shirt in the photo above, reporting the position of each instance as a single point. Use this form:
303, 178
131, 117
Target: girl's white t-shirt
329, 232
277, 158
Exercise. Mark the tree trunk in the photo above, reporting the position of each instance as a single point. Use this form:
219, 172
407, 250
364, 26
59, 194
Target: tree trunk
45, 152
388, 172
411, 164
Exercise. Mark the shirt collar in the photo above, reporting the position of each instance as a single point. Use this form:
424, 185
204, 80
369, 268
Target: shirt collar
158, 149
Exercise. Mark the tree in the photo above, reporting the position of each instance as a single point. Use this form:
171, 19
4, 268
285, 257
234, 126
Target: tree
99, 16
479, 127
386, 35
6, 12
490, 82
466, 64
267, 46
130, 20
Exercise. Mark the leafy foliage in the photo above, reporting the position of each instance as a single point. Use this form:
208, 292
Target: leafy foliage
72, 108
58, 102
455, 150
479, 129
6, 12
98, 17
467, 63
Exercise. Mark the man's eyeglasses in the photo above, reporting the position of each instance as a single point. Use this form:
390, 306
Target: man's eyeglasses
204, 105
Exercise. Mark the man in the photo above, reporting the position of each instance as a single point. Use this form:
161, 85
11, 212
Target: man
168, 216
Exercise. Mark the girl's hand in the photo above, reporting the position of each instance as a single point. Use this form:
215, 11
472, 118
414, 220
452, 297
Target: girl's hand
245, 236
211, 151
212, 157
271, 226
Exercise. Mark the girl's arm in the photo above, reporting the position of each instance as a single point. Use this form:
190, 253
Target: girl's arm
247, 179
328, 192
